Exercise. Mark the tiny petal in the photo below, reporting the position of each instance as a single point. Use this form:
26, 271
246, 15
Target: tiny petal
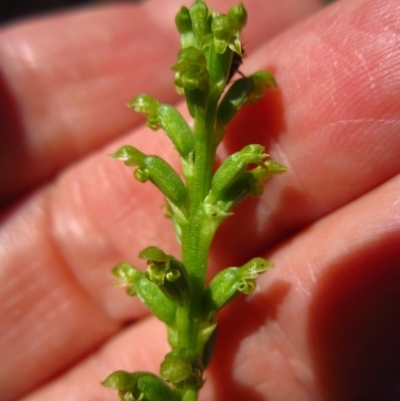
154, 254
130, 156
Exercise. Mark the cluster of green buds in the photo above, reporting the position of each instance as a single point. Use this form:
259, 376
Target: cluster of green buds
198, 200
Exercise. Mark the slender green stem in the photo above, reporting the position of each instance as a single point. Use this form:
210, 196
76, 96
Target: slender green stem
194, 245
195, 241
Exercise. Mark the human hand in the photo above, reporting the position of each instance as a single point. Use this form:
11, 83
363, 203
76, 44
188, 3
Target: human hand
323, 324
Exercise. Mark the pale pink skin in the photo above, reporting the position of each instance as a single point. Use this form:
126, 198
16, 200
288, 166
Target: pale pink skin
324, 324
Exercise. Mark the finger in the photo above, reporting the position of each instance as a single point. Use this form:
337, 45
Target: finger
334, 122
138, 348
64, 80
42, 333
324, 323
82, 382
67, 78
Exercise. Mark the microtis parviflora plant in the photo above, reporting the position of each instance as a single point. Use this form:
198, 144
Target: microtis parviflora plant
198, 200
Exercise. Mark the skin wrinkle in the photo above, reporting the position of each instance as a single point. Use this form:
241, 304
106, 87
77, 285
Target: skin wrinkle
281, 359
383, 121
14, 313
363, 155
302, 289
76, 205
265, 203
58, 249
365, 66
65, 226
109, 357
343, 71
280, 354
79, 226
41, 317
347, 65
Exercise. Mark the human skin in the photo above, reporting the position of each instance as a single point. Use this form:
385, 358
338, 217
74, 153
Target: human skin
323, 325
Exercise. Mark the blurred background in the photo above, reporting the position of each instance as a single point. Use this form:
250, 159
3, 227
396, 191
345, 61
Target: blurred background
14, 9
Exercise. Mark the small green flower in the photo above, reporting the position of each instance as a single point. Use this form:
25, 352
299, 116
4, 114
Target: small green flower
168, 273
230, 282
233, 167
157, 170
182, 367
148, 106
150, 294
139, 386
226, 29
191, 69
262, 80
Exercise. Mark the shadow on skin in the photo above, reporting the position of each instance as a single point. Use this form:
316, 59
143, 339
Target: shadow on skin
239, 320
242, 235
354, 327
12, 140
261, 123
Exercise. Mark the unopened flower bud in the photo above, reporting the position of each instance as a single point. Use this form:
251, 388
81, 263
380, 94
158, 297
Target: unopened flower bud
143, 386
168, 273
181, 367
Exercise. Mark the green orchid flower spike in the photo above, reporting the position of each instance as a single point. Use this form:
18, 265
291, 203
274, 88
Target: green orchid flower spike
199, 199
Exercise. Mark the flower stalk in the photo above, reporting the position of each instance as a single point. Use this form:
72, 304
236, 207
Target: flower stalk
175, 290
